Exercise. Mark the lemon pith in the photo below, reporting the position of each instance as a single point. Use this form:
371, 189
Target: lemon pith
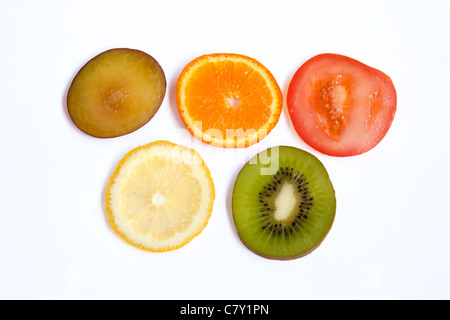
160, 196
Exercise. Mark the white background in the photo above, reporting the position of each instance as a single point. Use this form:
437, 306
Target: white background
392, 229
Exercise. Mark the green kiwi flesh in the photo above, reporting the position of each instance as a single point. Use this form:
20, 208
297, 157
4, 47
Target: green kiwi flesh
283, 203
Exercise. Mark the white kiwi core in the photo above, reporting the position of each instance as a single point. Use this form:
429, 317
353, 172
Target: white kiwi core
285, 202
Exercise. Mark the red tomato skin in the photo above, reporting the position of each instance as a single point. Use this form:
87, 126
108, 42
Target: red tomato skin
364, 81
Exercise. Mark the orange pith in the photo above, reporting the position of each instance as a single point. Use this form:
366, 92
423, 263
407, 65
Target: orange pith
228, 100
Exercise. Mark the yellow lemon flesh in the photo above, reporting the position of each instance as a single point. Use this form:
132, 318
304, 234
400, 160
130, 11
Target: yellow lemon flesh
160, 196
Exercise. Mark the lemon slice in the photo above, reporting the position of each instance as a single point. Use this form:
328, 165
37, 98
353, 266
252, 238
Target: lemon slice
160, 196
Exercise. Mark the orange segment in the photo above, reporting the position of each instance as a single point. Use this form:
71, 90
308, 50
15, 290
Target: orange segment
228, 100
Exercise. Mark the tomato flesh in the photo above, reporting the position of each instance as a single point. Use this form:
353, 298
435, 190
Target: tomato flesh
340, 106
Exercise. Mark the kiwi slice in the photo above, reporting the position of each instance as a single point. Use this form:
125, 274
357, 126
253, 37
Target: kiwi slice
116, 93
283, 203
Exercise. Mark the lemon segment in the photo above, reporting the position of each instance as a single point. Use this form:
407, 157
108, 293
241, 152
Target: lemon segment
160, 196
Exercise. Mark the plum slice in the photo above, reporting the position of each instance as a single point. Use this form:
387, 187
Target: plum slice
116, 93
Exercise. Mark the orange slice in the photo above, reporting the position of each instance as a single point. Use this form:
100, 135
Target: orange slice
160, 196
228, 100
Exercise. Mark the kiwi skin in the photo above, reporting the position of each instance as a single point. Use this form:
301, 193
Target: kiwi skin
287, 258
283, 258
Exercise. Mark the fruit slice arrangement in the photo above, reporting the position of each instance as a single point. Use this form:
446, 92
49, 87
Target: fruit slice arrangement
228, 100
160, 196
116, 93
283, 208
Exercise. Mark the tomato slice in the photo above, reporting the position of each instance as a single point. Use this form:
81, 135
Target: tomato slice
340, 106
